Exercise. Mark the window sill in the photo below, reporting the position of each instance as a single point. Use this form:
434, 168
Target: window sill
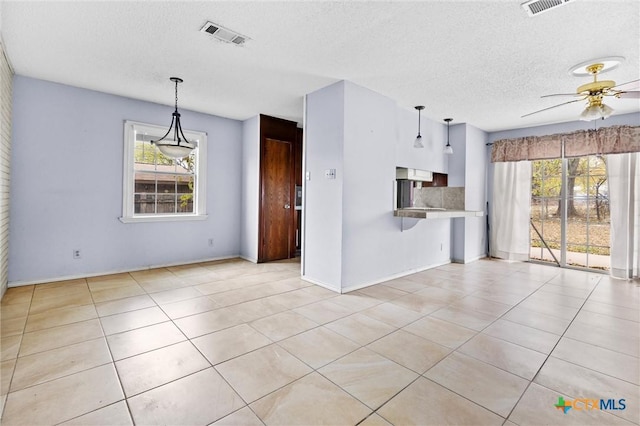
162, 218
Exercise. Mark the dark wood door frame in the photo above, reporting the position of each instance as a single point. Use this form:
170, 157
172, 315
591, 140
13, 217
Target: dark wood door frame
284, 131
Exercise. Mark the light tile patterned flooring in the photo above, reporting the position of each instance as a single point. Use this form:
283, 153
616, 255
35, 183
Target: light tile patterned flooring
237, 343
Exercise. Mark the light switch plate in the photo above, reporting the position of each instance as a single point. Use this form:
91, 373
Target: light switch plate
308, 175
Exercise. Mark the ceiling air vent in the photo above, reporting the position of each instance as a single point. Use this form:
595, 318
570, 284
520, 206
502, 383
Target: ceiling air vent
223, 34
536, 7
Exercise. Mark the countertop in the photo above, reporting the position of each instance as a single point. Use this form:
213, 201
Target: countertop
435, 213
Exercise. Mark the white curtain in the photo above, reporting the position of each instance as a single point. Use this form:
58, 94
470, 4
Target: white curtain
510, 210
624, 203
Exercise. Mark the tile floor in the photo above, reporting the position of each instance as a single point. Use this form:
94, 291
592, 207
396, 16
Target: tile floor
234, 343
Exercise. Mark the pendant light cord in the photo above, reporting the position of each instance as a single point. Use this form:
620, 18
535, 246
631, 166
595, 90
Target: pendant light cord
176, 95
178, 134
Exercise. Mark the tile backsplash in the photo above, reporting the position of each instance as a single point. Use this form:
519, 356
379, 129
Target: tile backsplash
448, 197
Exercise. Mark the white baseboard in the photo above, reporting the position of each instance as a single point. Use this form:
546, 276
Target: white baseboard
248, 259
392, 277
116, 271
319, 283
473, 259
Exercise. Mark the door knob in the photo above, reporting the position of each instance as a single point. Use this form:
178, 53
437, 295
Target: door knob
287, 206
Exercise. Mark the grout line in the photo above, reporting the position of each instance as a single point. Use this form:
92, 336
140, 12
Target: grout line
113, 363
26, 320
92, 411
462, 396
552, 349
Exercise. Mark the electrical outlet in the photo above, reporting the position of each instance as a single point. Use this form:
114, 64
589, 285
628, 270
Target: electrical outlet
210, 242
330, 173
77, 254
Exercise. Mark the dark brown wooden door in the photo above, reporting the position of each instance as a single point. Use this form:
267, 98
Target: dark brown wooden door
277, 202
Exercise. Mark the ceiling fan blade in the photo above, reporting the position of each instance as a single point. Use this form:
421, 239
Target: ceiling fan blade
552, 107
629, 95
562, 94
623, 84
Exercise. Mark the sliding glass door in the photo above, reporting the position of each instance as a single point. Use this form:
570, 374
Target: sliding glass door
570, 223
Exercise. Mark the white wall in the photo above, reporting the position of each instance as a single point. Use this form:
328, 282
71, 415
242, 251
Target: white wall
322, 208
433, 137
357, 241
66, 187
250, 189
475, 235
369, 151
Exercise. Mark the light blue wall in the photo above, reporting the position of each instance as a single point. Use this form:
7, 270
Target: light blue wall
66, 186
457, 160
456, 178
467, 168
571, 126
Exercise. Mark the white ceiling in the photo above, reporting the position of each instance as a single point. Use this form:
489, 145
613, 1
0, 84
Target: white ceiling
481, 62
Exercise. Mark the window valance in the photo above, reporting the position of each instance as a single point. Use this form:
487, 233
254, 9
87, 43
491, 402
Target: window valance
608, 140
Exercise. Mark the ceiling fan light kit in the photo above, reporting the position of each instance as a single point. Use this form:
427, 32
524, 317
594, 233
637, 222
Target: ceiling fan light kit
178, 146
593, 112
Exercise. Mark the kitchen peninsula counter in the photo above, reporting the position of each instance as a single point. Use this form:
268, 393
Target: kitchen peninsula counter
435, 213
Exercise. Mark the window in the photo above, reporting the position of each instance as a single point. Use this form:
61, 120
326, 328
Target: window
570, 210
158, 188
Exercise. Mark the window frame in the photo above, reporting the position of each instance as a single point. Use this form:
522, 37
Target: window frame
131, 128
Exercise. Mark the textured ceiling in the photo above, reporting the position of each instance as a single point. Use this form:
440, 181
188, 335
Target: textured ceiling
481, 62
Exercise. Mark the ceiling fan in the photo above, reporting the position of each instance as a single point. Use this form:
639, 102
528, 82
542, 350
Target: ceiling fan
594, 93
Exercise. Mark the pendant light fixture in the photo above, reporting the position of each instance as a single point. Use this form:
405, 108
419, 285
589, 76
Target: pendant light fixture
176, 146
448, 149
418, 142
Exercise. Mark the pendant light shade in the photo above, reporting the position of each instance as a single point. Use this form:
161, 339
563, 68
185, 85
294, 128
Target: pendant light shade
176, 146
174, 150
448, 149
418, 142
595, 111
